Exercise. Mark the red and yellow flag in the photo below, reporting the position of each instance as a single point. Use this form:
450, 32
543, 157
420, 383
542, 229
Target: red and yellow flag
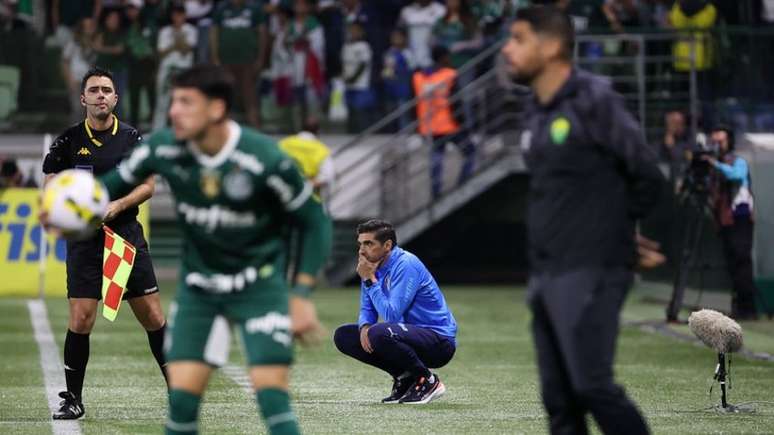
117, 263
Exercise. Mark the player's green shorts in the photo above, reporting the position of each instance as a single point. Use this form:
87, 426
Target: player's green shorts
200, 323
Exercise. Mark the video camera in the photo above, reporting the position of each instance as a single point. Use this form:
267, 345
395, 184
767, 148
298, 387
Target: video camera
697, 179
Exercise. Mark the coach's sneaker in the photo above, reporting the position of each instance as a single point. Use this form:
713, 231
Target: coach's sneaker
424, 390
399, 388
70, 408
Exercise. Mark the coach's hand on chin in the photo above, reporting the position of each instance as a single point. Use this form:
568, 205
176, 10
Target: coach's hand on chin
366, 269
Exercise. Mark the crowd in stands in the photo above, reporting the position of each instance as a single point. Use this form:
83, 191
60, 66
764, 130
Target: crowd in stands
11, 174
310, 58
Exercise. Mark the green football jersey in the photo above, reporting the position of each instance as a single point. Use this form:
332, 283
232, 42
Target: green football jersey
243, 212
238, 33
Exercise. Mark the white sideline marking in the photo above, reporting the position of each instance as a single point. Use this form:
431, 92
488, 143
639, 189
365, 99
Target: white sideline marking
53, 372
239, 376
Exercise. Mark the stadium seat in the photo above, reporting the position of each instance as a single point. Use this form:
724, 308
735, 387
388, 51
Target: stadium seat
9, 90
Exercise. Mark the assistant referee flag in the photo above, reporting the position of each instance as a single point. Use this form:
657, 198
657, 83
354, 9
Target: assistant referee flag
118, 260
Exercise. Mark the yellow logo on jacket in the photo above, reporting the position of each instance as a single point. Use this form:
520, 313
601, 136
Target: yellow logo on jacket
84, 152
560, 129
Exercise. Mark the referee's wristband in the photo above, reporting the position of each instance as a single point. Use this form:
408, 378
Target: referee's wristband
301, 290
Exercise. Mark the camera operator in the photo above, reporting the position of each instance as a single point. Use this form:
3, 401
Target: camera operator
732, 202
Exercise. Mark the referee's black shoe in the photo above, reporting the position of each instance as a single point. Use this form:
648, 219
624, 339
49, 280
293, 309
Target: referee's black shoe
70, 408
424, 390
399, 388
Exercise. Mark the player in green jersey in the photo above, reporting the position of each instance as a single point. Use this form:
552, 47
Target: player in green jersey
249, 219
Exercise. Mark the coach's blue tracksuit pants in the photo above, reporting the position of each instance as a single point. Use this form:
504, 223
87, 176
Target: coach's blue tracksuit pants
397, 348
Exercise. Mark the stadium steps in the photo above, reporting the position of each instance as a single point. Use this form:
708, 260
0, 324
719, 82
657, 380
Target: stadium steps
341, 268
389, 177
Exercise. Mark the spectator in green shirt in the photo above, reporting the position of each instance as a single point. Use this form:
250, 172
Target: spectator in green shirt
66, 14
142, 66
110, 46
238, 39
458, 31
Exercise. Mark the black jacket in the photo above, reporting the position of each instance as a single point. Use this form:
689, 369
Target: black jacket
592, 177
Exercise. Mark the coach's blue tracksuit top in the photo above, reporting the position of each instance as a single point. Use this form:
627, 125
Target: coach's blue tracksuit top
405, 292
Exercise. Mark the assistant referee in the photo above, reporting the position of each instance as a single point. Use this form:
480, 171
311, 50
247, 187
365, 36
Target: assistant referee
591, 177
98, 144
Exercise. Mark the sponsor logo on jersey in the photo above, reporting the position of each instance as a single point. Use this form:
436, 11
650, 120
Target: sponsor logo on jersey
268, 323
222, 283
215, 216
83, 152
241, 21
238, 185
275, 324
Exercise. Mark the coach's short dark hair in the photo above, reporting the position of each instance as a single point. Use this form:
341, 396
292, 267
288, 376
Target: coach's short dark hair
97, 72
382, 230
213, 81
549, 20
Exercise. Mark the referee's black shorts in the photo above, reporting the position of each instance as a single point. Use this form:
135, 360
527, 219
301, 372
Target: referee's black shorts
84, 264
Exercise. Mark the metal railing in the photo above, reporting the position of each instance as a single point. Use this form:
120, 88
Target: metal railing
410, 106
393, 178
640, 67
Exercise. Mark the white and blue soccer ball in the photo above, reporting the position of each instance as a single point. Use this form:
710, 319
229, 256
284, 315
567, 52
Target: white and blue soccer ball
75, 203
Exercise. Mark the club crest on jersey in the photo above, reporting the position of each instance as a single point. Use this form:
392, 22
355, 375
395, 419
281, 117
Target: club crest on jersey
560, 129
83, 152
238, 185
210, 183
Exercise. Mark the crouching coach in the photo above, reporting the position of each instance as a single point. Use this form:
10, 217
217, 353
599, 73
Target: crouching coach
417, 331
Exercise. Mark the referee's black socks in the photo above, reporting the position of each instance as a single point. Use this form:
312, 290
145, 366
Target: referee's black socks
156, 341
76, 356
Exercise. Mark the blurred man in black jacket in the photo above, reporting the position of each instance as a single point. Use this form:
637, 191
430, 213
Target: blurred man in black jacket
592, 177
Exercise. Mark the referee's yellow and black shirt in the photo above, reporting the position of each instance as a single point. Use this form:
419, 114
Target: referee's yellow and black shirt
97, 151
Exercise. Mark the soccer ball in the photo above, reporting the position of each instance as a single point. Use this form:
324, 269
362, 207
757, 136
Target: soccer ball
75, 203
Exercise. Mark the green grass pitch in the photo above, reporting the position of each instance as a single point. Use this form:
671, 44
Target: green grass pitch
492, 381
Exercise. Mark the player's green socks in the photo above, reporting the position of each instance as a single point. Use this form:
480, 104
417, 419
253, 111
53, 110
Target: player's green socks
183, 413
275, 408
